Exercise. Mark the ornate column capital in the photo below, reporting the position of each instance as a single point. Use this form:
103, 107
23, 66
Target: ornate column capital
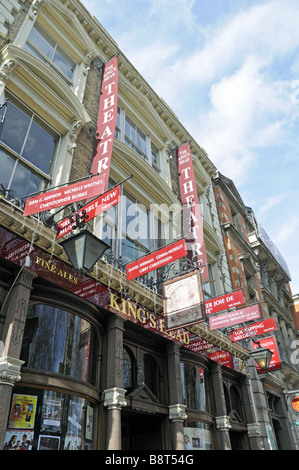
222, 423
254, 430
114, 398
10, 370
177, 412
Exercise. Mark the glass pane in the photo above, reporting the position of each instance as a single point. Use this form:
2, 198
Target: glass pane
130, 129
33, 51
141, 140
58, 341
42, 43
39, 148
127, 370
7, 164
63, 63
15, 127
25, 182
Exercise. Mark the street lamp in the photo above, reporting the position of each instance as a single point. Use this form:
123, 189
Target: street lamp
84, 249
262, 356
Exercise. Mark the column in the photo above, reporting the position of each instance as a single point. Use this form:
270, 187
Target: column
253, 427
114, 395
177, 414
15, 310
222, 420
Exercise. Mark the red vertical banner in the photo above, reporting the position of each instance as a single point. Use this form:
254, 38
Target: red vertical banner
193, 225
106, 121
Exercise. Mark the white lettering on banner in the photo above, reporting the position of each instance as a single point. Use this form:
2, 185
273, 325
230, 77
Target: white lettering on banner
106, 121
193, 225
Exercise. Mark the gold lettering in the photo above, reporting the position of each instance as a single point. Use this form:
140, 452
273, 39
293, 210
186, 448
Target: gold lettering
143, 320
133, 309
152, 320
186, 337
124, 306
113, 303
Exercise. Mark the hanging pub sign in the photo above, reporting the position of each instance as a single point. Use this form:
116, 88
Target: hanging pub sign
233, 299
106, 121
234, 317
65, 195
193, 226
183, 301
255, 329
93, 208
157, 259
269, 343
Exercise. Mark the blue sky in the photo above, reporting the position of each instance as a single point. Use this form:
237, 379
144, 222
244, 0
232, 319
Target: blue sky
229, 69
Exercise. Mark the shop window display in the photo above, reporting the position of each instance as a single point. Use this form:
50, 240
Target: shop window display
49, 420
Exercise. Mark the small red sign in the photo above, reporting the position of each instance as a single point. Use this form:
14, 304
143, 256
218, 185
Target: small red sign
155, 260
93, 208
65, 195
255, 329
234, 317
269, 343
224, 302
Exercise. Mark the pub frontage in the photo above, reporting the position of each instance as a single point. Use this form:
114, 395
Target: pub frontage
97, 370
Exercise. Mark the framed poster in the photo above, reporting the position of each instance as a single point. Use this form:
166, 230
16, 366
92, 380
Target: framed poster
22, 413
48, 442
183, 301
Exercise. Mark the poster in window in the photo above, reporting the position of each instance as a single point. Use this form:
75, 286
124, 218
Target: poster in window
89, 423
48, 442
51, 413
183, 301
197, 438
22, 413
18, 440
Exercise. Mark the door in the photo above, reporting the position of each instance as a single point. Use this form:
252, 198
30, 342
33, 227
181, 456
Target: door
140, 431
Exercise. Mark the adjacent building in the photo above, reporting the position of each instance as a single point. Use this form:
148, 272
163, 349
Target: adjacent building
87, 361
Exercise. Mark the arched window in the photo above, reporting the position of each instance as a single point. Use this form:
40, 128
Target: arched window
60, 342
193, 382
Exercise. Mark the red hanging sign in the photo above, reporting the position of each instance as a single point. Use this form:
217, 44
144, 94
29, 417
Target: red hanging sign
155, 260
269, 343
65, 195
106, 121
258, 328
224, 302
93, 208
193, 225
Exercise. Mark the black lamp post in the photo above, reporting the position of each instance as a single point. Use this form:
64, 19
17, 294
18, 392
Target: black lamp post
262, 356
83, 249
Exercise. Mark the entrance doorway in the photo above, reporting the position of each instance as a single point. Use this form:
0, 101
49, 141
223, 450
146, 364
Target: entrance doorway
140, 431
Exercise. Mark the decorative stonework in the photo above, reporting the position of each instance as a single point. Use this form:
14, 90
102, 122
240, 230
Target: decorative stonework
114, 398
177, 413
253, 430
10, 370
223, 423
